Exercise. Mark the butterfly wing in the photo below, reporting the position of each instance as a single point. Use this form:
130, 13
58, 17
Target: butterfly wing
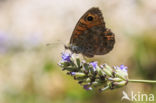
91, 18
90, 36
105, 42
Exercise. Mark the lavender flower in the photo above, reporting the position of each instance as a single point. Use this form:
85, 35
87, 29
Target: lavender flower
87, 87
94, 65
123, 68
90, 75
121, 71
66, 57
73, 73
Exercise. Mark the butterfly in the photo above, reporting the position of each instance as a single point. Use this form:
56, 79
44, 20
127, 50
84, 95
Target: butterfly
90, 36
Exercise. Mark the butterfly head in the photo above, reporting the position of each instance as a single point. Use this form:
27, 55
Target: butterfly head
73, 48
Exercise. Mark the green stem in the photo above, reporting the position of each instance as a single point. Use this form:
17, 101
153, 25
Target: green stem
142, 81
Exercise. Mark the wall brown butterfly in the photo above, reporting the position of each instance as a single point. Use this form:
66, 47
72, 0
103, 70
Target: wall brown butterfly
90, 36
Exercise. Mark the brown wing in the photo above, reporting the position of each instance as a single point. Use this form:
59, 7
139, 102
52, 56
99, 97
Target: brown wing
105, 43
91, 18
90, 36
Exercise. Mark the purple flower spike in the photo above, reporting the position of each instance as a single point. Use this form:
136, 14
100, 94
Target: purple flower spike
87, 87
123, 68
94, 64
66, 57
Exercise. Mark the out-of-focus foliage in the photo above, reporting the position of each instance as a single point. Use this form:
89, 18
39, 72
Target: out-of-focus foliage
145, 55
28, 68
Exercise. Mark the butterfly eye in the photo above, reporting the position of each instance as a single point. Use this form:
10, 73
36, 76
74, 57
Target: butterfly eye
90, 18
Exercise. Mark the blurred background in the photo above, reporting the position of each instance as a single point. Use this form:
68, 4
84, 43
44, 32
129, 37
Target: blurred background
28, 68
